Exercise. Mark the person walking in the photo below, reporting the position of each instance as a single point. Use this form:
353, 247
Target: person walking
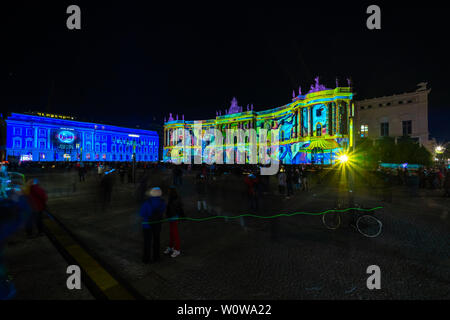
38, 202
151, 213
173, 213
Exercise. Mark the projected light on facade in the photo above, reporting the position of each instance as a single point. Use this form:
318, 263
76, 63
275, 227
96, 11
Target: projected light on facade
47, 137
313, 128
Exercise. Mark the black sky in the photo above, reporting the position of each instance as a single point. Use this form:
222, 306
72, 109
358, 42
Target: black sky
131, 62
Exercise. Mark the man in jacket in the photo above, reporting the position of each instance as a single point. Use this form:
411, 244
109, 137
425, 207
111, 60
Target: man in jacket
151, 213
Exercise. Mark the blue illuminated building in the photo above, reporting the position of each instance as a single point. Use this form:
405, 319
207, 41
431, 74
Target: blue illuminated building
49, 137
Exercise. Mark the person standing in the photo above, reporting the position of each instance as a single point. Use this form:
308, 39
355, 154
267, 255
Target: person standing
282, 181
122, 174
151, 214
174, 212
447, 184
200, 184
296, 177
81, 172
289, 182
38, 201
305, 181
100, 170
252, 183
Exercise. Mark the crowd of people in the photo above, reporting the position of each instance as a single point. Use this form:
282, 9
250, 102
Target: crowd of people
29, 202
20, 206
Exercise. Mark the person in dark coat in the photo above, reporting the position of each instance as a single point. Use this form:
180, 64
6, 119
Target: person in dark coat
173, 212
200, 186
151, 214
447, 184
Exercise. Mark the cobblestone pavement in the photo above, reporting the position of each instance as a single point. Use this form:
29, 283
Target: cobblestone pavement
222, 260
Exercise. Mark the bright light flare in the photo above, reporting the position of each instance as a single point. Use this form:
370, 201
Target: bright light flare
343, 158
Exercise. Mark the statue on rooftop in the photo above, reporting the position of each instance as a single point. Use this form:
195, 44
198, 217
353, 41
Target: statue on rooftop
234, 108
300, 90
170, 117
317, 86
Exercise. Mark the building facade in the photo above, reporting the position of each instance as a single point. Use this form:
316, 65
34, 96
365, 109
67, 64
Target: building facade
49, 137
395, 116
313, 128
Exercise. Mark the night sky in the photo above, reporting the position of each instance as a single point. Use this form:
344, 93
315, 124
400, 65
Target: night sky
131, 63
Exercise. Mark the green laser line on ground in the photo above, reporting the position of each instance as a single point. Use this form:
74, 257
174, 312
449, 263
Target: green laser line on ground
262, 217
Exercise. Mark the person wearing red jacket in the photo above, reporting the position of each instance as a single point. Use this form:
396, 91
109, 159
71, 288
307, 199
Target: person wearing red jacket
38, 201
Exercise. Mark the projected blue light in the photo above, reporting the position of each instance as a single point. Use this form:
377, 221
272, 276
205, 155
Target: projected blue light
39, 138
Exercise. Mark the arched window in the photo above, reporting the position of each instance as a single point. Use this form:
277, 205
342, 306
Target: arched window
318, 129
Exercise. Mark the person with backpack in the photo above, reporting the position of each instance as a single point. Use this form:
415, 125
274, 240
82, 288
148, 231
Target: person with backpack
151, 214
173, 213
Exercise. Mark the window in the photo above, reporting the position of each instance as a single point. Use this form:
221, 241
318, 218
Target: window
103, 138
41, 132
88, 147
369, 107
17, 143
380, 105
400, 102
407, 127
388, 104
29, 132
364, 130
113, 148
104, 148
29, 143
319, 112
319, 130
41, 144
362, 108
409, 101
97, 147
384, 129
17, 131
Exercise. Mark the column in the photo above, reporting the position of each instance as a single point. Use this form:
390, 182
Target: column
35, 137
310, 120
